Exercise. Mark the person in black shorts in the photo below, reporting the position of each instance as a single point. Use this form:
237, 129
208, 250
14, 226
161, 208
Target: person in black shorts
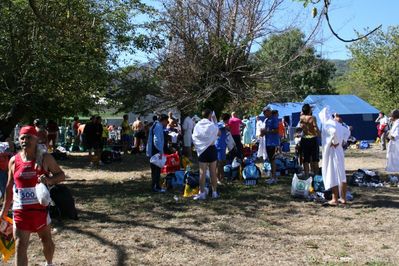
309, 141
93, 132
204, 137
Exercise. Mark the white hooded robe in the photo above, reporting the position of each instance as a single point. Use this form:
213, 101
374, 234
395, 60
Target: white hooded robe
393, 149
262, 140
333, 166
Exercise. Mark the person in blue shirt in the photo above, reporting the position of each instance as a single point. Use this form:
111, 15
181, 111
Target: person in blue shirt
155, 144
221, 145
272, 140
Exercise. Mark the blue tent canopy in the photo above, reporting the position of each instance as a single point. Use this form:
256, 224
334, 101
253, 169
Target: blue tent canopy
285, 109
341, 104
354, 111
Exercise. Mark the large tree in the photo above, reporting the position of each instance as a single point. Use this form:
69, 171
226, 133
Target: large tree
207, 59
375, 66
56, 56
289, 69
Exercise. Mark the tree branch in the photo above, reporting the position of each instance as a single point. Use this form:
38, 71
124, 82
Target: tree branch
326, 5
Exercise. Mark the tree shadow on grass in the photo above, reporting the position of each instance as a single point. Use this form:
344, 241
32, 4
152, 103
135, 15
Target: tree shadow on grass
131, 204
375, 197
121, 255
129, 163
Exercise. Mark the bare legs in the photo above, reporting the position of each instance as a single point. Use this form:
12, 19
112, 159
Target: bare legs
212, 171
22, 244
313, 166
335, 195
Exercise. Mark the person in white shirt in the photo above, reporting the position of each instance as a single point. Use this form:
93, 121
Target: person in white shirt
382, 127
188, 126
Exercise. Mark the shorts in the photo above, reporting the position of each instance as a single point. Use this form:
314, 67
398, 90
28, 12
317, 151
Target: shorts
310, 149
221, 154
139, 134
209, 155
31, 220
271, 151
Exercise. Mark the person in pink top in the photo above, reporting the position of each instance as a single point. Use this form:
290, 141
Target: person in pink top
234, 124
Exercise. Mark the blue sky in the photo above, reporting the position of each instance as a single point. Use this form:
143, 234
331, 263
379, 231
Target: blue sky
346, 17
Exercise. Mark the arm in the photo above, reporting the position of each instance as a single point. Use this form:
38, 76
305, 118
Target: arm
8, 192
57, 175
314, 124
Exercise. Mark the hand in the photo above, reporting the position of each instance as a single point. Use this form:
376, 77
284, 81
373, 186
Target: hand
44, 179
334, 145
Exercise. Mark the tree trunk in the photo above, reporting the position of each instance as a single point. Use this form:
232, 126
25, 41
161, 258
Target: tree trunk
9, 120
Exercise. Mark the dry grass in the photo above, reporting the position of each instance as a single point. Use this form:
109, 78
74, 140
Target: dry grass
121, 223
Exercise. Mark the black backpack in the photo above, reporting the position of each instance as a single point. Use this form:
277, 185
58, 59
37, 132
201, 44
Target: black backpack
64, 203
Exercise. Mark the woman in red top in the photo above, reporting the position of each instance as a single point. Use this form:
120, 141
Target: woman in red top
26, 169
234, 125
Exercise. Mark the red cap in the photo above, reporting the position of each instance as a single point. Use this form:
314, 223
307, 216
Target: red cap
28, 130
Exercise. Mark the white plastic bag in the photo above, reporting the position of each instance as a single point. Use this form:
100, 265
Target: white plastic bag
300, 188
155, 160
236, 163
230, 141
42, 194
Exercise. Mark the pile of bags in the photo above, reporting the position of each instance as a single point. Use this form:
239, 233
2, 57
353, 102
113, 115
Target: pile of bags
286, 165
365, 178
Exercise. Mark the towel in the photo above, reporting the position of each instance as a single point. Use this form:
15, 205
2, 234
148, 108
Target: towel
204, 135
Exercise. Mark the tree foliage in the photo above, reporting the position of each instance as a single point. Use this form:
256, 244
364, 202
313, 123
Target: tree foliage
290, 69
375, 66
56, 56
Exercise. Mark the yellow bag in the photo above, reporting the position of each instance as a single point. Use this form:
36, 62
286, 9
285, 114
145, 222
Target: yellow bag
378, 140
190, 192
7, 243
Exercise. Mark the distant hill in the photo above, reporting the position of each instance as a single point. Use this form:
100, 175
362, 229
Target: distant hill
342, 66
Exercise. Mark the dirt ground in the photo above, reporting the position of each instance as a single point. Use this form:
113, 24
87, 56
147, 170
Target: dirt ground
122, 223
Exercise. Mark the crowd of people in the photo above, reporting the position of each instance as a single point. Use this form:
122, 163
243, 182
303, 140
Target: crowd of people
213, 141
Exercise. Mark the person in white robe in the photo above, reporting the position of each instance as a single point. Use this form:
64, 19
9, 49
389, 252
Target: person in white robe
334, 134
188, 126
261, 139
204, 137
393, 145
247, 132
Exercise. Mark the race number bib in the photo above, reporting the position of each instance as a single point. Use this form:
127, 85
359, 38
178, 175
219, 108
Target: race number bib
25, 196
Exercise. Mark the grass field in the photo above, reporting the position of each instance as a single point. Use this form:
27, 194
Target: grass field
122, 223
